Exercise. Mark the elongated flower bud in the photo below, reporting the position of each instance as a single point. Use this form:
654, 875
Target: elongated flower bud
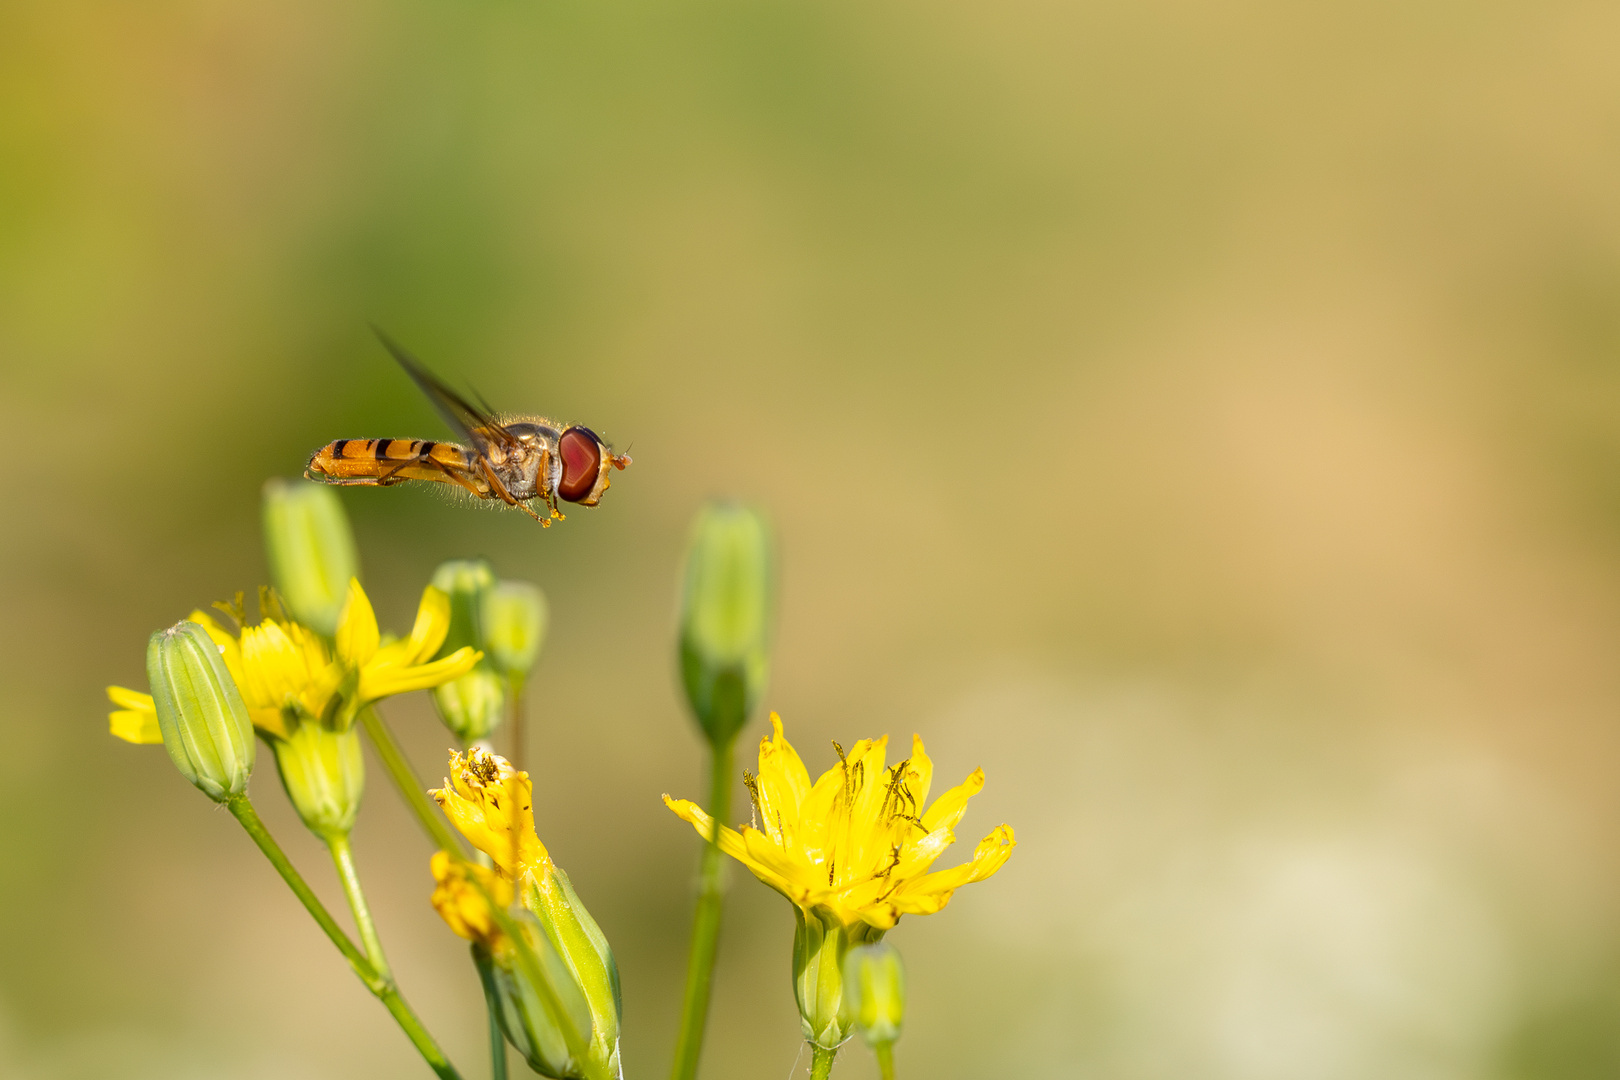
205, 726
875, 992
726, 606
541, 1009
311, 551
582, 945
473, 704
324, 774
513, 627
820, 944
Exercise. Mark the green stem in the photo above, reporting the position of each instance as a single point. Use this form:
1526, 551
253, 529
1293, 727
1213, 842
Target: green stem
821, 1061
497, 1041
384, 989
409, 785
514, 688
885, 1056
705, 922
343, 859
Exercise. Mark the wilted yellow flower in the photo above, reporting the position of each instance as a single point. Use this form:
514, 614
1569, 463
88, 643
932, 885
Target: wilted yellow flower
136, 719
491, 803
462, 904
858, 844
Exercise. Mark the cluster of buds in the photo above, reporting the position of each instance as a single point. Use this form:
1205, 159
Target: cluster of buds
506, 622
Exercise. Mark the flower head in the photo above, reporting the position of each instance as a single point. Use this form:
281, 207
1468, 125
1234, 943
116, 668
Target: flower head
857, 845
463, 905
288, 674
491, 803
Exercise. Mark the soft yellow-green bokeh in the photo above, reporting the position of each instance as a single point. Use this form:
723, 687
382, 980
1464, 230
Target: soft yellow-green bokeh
1206, 417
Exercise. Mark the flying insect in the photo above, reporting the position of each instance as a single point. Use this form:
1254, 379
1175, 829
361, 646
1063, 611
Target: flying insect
515, 459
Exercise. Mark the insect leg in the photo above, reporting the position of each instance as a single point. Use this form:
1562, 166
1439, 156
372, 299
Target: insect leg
505, 496
387, 479
459, 476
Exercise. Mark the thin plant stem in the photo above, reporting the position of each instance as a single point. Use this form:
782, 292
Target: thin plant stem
383, 988
497, 1041
409, 785
885, 1056
514, 688
821, 1062
705, 922
343, 859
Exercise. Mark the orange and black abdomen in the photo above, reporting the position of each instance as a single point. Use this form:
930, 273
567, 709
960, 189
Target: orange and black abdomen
375, 461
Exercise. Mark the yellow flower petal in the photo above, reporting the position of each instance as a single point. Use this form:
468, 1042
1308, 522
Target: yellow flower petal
357, 633
432, 624
732, 843
933, 891
137, 721
126, 698
949, 807
784, 782
462, 904
380, 682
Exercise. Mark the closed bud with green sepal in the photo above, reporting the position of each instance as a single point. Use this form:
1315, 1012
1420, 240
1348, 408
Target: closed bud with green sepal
875, 997
726, 607
472, 705
311, 551
515, 616
324, 774
205, 725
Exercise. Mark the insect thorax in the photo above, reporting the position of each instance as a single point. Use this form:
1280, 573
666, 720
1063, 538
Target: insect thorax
520, 471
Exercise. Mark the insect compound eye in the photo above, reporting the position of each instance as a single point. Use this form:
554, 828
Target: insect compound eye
581, 453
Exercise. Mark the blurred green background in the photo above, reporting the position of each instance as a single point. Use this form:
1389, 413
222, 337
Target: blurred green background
1206, 417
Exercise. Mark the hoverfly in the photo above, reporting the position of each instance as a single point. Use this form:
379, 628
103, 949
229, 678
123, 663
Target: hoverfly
514, 459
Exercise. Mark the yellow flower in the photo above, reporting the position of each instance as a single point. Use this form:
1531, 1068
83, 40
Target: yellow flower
857, 845
491, 803
136, 721
463, 905
287, 673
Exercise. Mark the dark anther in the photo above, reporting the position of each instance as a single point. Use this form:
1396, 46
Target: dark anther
751, 782
234, 609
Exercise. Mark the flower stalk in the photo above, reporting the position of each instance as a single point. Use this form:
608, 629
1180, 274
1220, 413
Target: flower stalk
821, 1062
705, 946
381, 986
343, 859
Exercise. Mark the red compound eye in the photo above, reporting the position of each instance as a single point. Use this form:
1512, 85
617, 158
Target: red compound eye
581, 453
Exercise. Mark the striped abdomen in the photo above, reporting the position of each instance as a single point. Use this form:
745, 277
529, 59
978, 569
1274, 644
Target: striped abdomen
387, 461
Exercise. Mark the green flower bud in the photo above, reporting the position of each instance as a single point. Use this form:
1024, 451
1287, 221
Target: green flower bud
541, 1008
875, 991
311, 551
324, 774
513, 627
581, 944
726, 606
821, 941
205, 725
473, 704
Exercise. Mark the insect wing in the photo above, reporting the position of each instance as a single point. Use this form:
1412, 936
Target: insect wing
479, 426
